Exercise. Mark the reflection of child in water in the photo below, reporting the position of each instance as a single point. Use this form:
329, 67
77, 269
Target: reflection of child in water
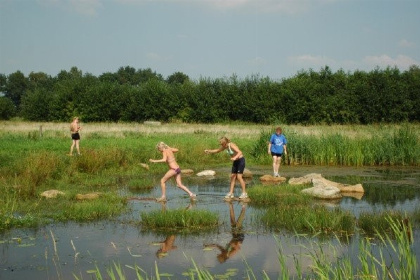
237, 236
166, 246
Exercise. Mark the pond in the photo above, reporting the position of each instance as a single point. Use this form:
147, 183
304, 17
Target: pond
63, 251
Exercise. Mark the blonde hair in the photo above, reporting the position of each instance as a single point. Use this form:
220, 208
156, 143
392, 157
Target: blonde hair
161, 145
224, 139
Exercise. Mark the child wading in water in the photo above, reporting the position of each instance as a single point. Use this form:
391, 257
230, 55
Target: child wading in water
238, 165
174, 170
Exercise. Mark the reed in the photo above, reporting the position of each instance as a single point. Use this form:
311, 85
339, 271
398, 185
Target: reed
372, 222
398, 145
308, 219
33, 171
289, 209
179, 220
280, 194
393, 259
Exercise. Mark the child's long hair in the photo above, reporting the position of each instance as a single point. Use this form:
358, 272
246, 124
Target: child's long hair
161, 145
224, 139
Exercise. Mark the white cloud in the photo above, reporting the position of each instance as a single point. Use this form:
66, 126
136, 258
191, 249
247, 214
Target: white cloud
401, 61
86, 7
83, 7
264, 6
405, 43
257, 61
155, 56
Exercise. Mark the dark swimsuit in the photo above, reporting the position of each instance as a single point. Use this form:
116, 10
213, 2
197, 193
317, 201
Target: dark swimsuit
75, 136
177, 170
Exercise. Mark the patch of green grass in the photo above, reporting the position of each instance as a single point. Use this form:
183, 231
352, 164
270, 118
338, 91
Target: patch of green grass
180, 220
308, 219
141, 184
373, 222
287, 208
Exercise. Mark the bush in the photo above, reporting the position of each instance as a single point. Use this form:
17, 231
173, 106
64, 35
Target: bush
7, 108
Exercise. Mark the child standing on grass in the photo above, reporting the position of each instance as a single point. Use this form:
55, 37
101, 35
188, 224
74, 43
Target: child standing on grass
75, 136
174, 170
238, 165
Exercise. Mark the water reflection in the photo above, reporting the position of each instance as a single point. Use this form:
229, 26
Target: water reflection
166, 246
238, 235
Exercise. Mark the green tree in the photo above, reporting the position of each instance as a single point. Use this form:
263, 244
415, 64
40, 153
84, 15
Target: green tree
36, 105
7, 108
177, 78
16, 87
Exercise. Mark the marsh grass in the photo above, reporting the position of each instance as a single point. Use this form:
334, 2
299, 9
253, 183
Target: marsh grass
141, 184
287, 208
383, 145
392, 259
34, 171
372, 222
308, 219
179, 220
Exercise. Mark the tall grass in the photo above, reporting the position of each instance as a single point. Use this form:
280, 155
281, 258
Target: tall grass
307, 219
388, 146
372, 222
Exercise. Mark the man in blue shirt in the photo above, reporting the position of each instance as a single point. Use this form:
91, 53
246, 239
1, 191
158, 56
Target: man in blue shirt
277, 147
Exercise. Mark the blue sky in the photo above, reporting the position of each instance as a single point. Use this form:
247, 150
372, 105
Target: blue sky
208, 38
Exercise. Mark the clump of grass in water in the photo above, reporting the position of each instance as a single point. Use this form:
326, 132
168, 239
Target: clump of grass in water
370, 222
312, 219
290, 209
180, 219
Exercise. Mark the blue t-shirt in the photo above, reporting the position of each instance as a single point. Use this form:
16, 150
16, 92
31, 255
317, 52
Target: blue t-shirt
277, 142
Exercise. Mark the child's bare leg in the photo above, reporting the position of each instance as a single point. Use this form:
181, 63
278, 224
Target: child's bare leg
72, 146
242, 182
232, 182
181, 186
165, 178
77, 147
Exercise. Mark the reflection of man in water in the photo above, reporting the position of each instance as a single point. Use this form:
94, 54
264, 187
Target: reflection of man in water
237, 236
166, 246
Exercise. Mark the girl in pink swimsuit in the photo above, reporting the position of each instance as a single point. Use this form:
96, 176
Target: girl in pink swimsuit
169, 158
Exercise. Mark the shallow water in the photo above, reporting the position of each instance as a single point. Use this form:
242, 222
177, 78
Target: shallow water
58, 251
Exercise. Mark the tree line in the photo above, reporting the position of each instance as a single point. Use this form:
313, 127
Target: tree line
130, 95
